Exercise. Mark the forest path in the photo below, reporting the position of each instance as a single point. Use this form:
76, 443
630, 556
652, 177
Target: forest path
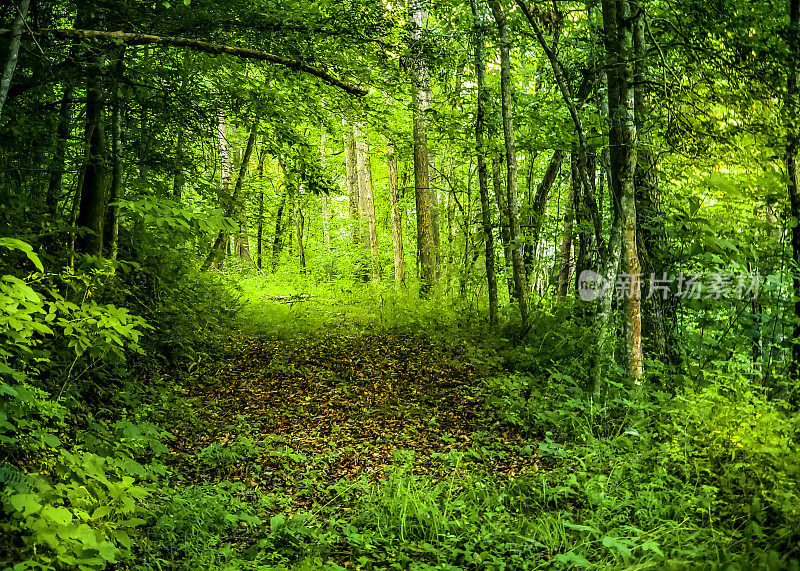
339, 407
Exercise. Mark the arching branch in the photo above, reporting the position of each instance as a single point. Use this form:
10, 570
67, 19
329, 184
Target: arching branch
200, 46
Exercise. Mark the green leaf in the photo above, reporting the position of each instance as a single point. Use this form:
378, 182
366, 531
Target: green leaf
26, 503
14, 244
61, 516
108, 551
651, 545
51, 440
616, 545
101, 511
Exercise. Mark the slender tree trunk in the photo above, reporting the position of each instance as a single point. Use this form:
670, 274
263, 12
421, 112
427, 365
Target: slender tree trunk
480, 151
179, 180
351, 164
299, 226
451, 233
792, 145
567, 259
518, 266
418, 18
437, 241
260, 228
13, 51
235, 208
60, 153
397, 221
326, 236
76, 198
277, 240
505, 234
111, 227
367, 200
542, 192
569, 100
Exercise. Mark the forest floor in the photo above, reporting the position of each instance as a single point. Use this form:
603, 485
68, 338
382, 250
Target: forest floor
301, 416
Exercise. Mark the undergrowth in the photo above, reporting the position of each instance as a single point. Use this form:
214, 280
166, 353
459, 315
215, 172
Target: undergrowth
667, 475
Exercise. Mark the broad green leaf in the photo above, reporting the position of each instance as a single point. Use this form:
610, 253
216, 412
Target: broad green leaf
28, 504
59, 515
27, 249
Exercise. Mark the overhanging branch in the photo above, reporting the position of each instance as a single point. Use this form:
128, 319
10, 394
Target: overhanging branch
200, 46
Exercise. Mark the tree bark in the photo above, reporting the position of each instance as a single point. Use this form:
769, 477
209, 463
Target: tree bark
517, 262
792, 145
497, 184
58, 165
91, 215
351, 167
566, 257
368, 202
277, 240
13, 51
397, 220
111, 227
618, 38
235, 208
480, 151
651, 237
418, 18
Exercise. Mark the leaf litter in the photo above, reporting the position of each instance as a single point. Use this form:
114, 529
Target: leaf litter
301, 415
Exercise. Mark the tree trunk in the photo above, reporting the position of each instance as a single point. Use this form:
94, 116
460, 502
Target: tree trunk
418, 17
180, 178
618, 39
277, 240
235, 208
58, 165
351, 164
326, 237
517, 262
651, 237
569, 100
480, 151
111, 227
95, 180
542, 192
13, 51
299, 225
260, 238
367, 200
505, 235
566, 258
792, 144
397, 221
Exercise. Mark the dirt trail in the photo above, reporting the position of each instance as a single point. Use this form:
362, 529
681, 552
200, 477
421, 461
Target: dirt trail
350, 400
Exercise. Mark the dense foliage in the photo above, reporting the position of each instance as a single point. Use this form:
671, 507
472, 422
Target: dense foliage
213, 355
